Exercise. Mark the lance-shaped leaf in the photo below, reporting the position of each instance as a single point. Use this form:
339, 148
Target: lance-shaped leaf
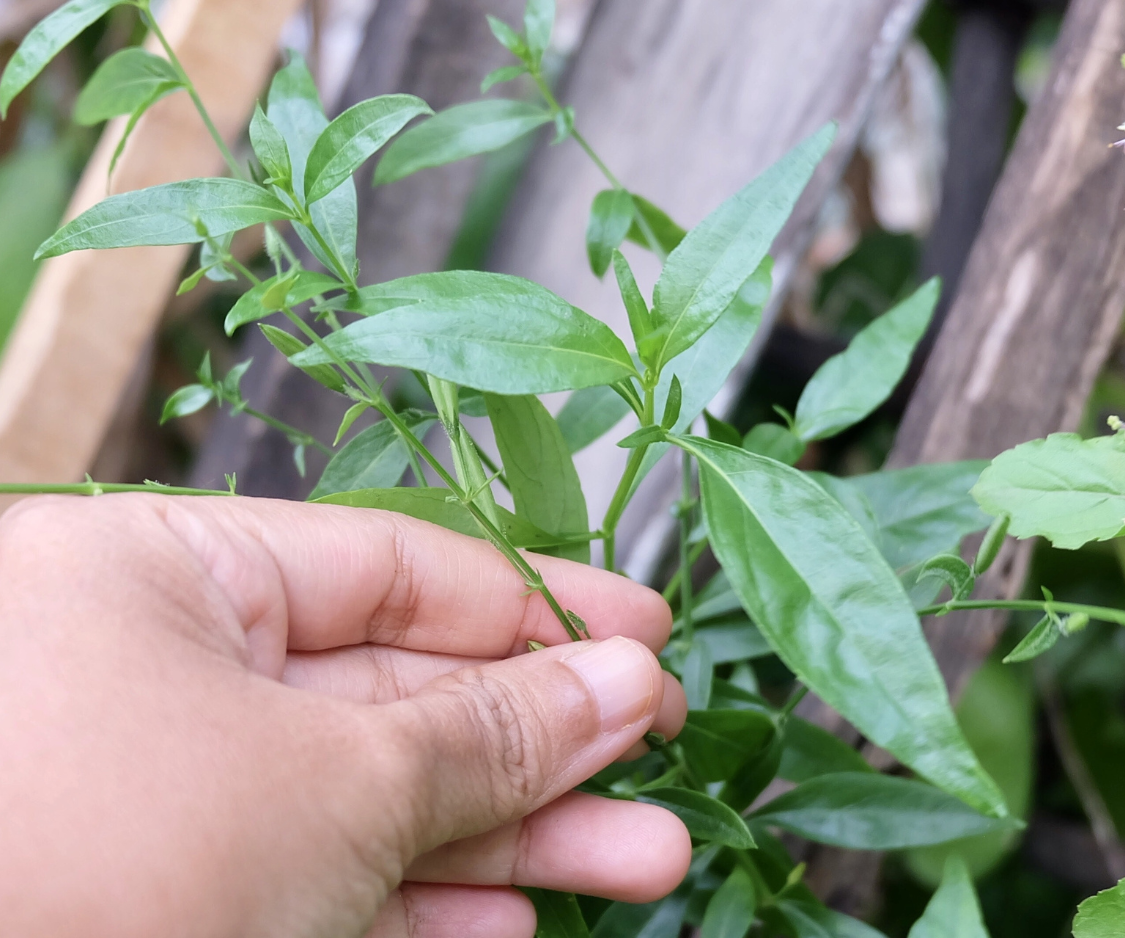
717, 742
661, 919
489, 331
810, 919
457, 133
703, 816
123, 83
1066, 489
835, 612
610, 218
274, 294
849, 386
557, 914
270, 147
438, 507
296, 111
541, 475
538, 21
345, 144
174, 213
954, 911
589, 414
704, 274
730, 912
47, 40
811, 751
1101, 916
654, 221
867, 811
375, 458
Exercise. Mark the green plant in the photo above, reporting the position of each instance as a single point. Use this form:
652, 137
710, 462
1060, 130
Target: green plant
827, 576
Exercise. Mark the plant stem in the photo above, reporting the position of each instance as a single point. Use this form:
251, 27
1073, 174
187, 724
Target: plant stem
625, 486
101, 488
687, 500
674, 584
1101, 613
292, 433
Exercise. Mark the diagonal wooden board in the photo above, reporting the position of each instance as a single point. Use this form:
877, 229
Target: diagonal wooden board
688, 100
91, 314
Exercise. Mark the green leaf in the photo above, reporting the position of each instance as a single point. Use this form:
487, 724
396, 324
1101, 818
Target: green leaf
952, 571
705, 273
954, 911
434, 505
270, 146
187, 400
717, 742
776, 442
696, 674
673, 405
123, 82
500, 75
174, 213
732, 641
1041, 639
640, 321
290, 345
730, 913
813, 920
488, 331
720, 430
541, 475
589, 414
47, 40
922, 510
811, 751
661, 919
261, 299
642, 437
1066, 489
375, 458
705, 818
610, 218
457, 133
834, 612
867, 811
850, 386
1101, 916
354, 136
667, 233
538, 21
507, 37
295, 109
557, 914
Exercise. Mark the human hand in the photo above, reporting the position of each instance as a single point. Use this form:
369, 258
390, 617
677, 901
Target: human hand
253, 718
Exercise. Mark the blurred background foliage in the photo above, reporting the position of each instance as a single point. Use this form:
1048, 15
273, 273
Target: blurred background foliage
1053, 734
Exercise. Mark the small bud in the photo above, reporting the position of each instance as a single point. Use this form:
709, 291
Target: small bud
990, 546
1075, 623
535, 646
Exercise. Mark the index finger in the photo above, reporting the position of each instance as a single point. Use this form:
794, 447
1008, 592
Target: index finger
351, 575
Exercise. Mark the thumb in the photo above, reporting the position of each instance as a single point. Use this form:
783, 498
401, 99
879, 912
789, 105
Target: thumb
491, 744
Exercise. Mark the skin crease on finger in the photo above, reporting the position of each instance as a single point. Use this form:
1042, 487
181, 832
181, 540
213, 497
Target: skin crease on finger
210, 790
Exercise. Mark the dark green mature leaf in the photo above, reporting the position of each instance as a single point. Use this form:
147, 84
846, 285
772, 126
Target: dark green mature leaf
187, 400
853, 500
488, 331
954, 911
661, 919
433, 505
834, 612
951, 570
730, 913
867, 811
295, 109
168, 214
1066, 489
1101, 916
666, 232
263, 299
813, 920
717, 742
851, 385
922, 510
776, 442
47, 40
610, 218
458, 133
704, 274
541, 476
696, 674
346, 144
811, 751
733, 641
124, 82
538, 21
589, 414
557, 913
703, 816
290, 345
270, 147
374, 459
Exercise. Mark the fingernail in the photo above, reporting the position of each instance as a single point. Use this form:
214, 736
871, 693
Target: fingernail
619, 674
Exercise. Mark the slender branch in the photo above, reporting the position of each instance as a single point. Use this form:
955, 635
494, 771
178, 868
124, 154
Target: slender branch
687, 500
291, 432
101, 488
625, 486
1101, 613
674, 584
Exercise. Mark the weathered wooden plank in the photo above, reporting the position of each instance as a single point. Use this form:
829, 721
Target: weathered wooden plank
90, 314
688, 100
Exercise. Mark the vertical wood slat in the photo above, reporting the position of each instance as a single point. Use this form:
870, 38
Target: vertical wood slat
90, 314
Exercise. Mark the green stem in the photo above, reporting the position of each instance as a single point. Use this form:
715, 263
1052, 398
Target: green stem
101, 488
291, 432
1101, 613
625, 486
341, 268
687, 500
791, 703
674, 584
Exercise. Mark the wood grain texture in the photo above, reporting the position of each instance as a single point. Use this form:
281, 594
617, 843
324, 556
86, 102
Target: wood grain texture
688, 100
90, 315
